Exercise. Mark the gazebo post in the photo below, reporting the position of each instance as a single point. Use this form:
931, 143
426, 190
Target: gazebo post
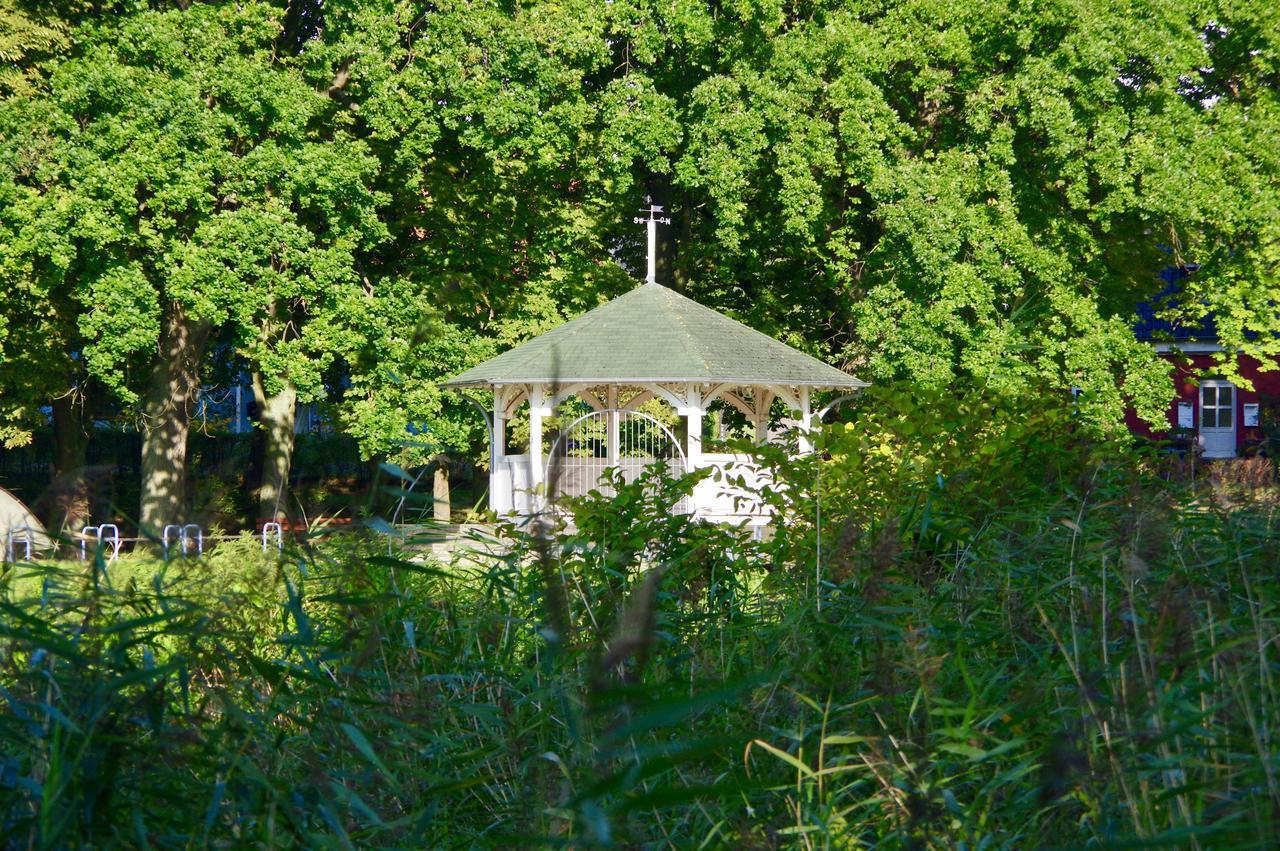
612, 437
498, 493
692, 411
538, 409
763, 399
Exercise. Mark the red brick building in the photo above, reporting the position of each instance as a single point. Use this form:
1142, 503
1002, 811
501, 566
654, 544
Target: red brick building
1224, 419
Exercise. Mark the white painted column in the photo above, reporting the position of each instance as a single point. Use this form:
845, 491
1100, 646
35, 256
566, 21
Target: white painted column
805, 441
500, 496
612, 438
539, 409
763, 402
693, 411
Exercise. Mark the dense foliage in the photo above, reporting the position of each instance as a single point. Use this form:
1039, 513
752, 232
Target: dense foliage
354, 200
981, 650
977, 624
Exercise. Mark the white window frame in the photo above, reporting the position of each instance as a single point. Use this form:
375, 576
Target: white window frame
1218, 431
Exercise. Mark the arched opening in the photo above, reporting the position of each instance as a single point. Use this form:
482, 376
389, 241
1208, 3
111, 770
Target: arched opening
612, 445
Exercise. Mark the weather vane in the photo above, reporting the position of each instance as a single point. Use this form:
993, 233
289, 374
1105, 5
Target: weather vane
652, 219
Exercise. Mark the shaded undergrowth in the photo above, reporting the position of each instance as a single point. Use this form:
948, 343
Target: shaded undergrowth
1093, 663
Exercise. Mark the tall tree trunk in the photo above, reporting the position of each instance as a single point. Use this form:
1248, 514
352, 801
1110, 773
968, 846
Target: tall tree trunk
440, 490
277, 417
69, 494
166, 412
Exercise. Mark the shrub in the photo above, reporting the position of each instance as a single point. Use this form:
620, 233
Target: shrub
1057, 651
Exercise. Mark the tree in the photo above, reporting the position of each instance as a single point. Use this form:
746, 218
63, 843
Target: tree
933, 192
32, 36
204, 186
513, 144
378, 194
946, 192
39, 336
1226, 218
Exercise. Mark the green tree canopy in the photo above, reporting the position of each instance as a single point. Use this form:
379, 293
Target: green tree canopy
983, 192
181, 175
512, 145
933, 192
937, 192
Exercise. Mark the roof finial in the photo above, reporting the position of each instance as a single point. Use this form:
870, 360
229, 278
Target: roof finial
652, 219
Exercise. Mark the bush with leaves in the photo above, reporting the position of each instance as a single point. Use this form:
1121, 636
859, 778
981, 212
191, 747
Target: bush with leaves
928, 470
1091, 665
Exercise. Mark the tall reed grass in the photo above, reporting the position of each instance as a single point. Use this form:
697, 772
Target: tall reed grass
1095, 666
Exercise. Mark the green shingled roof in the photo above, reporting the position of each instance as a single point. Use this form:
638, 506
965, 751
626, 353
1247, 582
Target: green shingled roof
653, 334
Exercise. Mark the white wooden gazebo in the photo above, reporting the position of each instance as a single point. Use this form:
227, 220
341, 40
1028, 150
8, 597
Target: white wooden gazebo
649, 343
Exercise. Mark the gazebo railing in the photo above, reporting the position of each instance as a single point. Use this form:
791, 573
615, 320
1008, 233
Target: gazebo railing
629, 442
